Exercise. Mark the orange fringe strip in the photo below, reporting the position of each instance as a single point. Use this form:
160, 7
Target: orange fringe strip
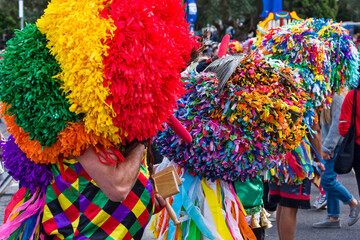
72, 141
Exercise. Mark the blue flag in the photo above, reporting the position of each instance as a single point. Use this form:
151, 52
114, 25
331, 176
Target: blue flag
191, 8
271, 6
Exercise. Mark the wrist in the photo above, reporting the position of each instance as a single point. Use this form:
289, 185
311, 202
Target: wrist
144, 142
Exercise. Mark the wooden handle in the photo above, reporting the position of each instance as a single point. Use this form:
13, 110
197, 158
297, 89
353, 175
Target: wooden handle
171, 213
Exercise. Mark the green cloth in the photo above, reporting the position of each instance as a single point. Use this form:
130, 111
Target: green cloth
250, 192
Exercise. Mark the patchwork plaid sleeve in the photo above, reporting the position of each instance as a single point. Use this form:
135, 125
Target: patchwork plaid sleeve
76, 208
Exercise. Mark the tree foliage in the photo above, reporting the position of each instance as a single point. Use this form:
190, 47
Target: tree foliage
229, 13
9, 15
349, 10
243, 15
34, 9
312, 8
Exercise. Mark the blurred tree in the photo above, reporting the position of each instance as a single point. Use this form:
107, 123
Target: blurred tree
243, 15
9, 21
349, 10
312, 8
9, 16
34, 9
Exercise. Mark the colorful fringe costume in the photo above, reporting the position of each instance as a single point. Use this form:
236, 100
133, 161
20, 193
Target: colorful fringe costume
322, 52
200, 206
239, 119
235, 47
89, 74
252, 124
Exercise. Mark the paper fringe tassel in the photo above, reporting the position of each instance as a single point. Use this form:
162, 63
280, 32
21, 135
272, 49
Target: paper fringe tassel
245, 131
321, 50
120, 66
234, 47
79, 66
150, 47
22, 169
76, 32
295, 167
71, 141
22, 218
29, 87
212, 210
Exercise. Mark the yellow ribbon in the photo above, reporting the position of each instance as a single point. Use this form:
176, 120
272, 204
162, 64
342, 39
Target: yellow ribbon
215, 209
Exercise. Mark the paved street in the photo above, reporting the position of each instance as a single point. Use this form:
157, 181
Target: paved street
6, 198
304, 221
307, 217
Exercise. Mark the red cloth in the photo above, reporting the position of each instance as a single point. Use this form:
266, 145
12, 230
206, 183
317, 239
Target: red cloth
345, 115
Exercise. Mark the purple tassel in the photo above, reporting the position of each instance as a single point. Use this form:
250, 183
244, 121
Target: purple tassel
22, 169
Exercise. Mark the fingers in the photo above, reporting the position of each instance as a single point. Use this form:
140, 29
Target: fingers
159, 203
160, 200
327, 156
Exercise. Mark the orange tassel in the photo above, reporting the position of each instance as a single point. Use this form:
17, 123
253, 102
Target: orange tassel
73, 140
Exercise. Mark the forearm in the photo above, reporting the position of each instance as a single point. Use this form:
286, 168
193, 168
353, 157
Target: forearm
333, 136
115, 181
330, 143
315, 140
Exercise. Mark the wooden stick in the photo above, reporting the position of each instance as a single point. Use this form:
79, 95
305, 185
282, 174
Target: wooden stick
166, 183
171, 213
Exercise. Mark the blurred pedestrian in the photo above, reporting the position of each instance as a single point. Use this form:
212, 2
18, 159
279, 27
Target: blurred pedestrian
230, 31
344, 125
214, 33
334, 190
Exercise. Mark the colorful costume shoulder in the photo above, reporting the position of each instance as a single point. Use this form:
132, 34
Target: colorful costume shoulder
88, 74
250, 117
236, 111
322, 52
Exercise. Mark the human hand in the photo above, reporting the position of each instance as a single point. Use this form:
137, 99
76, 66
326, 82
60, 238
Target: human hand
321, 167
326, 156
159, 203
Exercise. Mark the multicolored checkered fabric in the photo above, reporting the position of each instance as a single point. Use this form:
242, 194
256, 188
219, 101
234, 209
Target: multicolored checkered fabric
78, 209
